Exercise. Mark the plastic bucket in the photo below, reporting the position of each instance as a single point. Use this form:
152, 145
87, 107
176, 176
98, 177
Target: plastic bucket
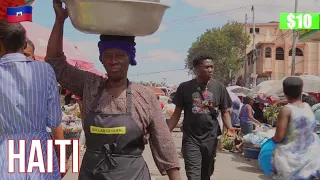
251, 153
265, 156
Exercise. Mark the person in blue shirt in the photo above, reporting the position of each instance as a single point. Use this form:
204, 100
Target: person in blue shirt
29, 102
235, 120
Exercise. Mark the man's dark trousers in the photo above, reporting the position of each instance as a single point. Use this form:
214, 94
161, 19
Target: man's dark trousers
199, 157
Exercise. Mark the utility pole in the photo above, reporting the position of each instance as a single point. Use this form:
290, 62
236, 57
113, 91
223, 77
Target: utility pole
254, 74
245, 55
294, 42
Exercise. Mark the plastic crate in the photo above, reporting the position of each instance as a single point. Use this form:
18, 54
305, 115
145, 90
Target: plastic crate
251, 153
250, 145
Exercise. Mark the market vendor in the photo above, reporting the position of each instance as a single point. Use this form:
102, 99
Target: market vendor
296, 155
246, 116
132, 111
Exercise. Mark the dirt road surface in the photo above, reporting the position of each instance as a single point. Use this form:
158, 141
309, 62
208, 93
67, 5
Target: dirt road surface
229, 166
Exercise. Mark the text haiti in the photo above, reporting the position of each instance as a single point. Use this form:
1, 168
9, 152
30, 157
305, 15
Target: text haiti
36, 159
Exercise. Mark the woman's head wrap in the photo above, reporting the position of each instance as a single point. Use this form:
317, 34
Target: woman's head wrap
124, 43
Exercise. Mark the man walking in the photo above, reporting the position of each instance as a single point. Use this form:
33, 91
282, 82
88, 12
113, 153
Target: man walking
201, 99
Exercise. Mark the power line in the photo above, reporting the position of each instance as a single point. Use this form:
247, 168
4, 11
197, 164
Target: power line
183, 20
173, 52
210, 14
164, 71
158, 72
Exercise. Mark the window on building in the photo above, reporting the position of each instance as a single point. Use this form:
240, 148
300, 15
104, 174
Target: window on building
298, 52
257, 30
258, 53
268, 52
279, 53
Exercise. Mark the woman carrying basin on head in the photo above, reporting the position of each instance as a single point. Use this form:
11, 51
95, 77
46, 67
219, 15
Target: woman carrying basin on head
118, 114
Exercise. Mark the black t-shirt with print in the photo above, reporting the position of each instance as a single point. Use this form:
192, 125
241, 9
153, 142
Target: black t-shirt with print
198, 121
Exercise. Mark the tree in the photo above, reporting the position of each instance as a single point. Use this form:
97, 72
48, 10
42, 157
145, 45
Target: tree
226, 45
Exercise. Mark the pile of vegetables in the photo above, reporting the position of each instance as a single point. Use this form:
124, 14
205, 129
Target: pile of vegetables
271, 113
229, 140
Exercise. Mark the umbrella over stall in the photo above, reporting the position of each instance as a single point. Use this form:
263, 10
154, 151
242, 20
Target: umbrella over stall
263, 88
240, 91
233, 96
39, 35
311, 84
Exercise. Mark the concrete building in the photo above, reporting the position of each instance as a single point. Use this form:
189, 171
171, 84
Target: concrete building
274, 54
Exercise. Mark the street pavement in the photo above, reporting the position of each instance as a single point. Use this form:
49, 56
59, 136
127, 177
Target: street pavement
229, 166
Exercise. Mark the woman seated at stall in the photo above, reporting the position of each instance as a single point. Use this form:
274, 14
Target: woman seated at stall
296, 155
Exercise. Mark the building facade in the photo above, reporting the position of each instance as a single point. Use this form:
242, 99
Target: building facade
274, 54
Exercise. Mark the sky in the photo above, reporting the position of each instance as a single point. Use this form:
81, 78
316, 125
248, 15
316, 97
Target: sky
161, 56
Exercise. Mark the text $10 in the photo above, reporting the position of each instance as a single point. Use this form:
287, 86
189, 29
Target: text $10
301, 21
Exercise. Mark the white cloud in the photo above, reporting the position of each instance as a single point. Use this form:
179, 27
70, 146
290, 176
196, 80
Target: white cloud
163, 55
173, 77
265, 11
91, 50
148, 40
167, 2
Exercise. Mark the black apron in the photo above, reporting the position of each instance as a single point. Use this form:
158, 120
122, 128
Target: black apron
114, 145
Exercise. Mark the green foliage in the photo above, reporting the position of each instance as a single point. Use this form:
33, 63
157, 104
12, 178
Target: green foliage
226, 45
271, 112
227, 143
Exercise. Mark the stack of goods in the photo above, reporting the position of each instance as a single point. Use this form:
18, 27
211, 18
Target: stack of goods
72, 128
252, 142
71, 121
71, 124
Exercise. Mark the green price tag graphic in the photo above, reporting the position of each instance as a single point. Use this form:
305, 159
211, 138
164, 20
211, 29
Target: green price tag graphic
299, 21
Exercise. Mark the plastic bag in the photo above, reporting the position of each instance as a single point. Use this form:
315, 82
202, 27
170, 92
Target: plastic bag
253, 139
265, 156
